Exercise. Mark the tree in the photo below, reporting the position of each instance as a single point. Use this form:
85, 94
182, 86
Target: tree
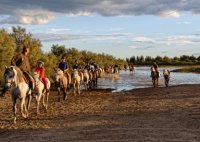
6, 50
133, 60
58, 50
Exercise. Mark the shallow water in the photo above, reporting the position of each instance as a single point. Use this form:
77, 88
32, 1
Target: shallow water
141, 79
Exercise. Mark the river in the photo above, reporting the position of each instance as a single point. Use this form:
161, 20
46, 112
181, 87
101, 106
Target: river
141, 79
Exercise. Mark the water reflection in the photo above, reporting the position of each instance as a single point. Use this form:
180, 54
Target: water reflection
141, 79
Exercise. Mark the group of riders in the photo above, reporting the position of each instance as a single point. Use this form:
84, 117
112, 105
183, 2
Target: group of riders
22, 62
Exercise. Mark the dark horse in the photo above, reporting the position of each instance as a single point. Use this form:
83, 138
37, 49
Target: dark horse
155, 77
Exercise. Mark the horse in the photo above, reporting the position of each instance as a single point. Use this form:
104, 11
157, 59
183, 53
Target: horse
166, 74
41, 92
86, 79
155, 77
62, 83
132, 69
77, 78
16, 82
94, 79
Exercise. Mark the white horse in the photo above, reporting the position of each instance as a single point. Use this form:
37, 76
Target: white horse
86, 79
62, 83
41, 92
76, 80
14, 80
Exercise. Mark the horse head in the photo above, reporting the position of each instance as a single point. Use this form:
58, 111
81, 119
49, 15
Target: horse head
58, 75
9, 75
36, 77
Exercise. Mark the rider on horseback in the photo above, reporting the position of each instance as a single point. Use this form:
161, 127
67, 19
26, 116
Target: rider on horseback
22, 61
155, 67
87, 67
40, 69
77, 66
63, 65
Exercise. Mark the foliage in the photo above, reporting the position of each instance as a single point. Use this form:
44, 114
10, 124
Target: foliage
148, 60
12, 44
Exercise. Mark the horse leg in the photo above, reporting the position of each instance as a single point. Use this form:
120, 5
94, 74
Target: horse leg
65, 94
22, 104
78, 87
47, 99
43, 100
29, 97
38, 102
14, 108
59, 94
157, 81
74, 88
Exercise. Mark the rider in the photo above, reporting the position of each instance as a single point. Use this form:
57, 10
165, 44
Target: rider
155, 67
77, 66
87, 67
40, 69
63, 65
22, 61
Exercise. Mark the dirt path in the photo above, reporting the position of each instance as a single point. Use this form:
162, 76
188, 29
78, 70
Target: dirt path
154, 114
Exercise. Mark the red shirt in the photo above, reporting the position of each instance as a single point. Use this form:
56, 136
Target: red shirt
40, 71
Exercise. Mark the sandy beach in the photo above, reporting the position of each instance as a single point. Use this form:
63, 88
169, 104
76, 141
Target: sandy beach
158, 114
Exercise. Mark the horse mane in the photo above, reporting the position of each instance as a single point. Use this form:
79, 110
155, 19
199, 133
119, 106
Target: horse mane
20, 75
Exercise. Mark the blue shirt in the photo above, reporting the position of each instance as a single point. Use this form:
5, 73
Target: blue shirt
63, 66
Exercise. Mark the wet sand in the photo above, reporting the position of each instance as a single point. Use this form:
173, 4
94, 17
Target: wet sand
169, 114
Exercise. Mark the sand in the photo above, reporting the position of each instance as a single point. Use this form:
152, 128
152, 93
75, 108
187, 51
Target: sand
158, 114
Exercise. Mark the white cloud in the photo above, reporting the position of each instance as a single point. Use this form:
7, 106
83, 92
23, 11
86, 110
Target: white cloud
143, 39
133, 47
180, 40
58, 30
170, 14
28, 17
76, 14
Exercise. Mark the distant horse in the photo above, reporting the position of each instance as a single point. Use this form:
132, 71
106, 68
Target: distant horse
132, 69
100, 71
115, 70
166, 74
41, 92
86, 79
15, 81
94, 79
77, 78
61, 83
155, 77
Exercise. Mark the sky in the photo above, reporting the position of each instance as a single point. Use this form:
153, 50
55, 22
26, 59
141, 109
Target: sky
122, 28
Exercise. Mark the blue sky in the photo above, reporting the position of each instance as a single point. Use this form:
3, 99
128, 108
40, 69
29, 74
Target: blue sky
120, 28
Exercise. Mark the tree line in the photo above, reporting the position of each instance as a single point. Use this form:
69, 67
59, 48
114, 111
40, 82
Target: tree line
148, 60
12, 43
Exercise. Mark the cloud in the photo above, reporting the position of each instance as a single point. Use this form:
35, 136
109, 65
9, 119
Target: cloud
181, 40
51, 37
41, 12
170, 14
133, 47
143, 39
28, 17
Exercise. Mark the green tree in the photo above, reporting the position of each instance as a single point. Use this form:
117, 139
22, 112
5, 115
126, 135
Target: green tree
6, 50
